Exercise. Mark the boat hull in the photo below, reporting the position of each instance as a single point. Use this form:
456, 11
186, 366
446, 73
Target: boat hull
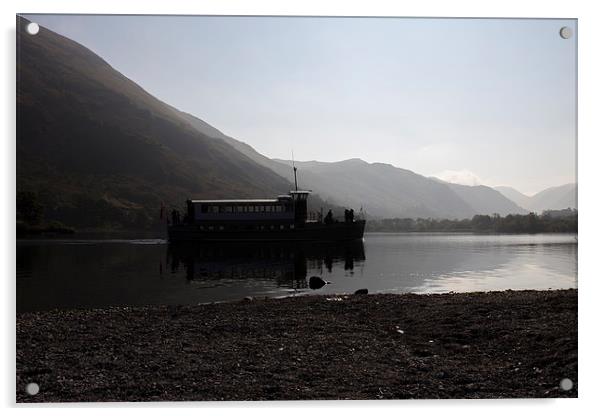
340, 231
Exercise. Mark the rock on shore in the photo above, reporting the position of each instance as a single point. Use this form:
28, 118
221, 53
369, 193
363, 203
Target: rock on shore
473, 345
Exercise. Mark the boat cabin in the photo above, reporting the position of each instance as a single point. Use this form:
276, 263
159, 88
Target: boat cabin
287, 210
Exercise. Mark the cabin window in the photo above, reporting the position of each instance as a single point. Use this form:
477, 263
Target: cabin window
222, 209
204, 209
201, 227
228, 209
271, 227
261, 227
292, 226
282, 227
210, 228
214, 209
221, 228
239, 208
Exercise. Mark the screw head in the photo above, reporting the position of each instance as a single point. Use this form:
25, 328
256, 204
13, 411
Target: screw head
566, 384
32, 389
566, 32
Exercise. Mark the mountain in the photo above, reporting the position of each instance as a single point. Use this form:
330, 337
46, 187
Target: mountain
97, 151
486, 200
512, 194
554, 198
558, 197
386, 191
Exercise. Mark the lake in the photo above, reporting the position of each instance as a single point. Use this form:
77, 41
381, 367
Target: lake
79, 273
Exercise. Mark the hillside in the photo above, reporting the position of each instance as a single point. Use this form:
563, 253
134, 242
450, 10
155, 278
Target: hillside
317, 200
554, 198
558, 197
512, 194
486, 200
98, 151
386, 191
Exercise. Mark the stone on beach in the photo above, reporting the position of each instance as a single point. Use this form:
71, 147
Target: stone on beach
316, 282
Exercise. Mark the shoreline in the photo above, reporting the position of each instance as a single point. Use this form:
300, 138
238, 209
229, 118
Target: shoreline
127, 235
510, 344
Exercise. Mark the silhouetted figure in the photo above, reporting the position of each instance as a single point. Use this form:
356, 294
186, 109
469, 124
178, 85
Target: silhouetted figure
174, 217
328, 217
346, 215
351, 214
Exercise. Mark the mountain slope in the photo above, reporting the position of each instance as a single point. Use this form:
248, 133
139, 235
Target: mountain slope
558, 197
486, 200
515, 196
555, 198
386, 191
383, 190
315, 203
99, 151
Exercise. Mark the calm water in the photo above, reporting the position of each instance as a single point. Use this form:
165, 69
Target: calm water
97, 273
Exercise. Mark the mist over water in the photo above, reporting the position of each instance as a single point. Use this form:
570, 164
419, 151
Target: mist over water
74, 273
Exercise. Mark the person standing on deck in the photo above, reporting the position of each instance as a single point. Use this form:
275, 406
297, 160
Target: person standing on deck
328, 218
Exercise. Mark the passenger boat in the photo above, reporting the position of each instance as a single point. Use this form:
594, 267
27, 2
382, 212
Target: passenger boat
284, 218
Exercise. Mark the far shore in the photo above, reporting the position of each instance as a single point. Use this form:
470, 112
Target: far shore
137, 235
510, 344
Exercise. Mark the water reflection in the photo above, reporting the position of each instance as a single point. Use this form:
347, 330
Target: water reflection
99, 273
287, 264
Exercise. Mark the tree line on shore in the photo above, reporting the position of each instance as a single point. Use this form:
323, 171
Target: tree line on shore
553, 221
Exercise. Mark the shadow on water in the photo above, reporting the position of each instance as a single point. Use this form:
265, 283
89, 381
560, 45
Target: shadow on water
286, 264
101, 273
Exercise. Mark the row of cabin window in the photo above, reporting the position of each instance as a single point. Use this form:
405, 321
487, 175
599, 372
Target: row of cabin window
257, 227
215, 209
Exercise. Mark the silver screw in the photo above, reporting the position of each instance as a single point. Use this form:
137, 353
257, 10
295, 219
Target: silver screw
32, 389
33, 28
566, 384
566, 32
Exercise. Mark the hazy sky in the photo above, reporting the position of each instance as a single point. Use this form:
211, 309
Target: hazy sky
474, 101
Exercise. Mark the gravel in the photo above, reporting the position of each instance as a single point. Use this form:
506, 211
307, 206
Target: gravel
510, 344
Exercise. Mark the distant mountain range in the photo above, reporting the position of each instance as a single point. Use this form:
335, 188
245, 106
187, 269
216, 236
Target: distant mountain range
382, 190
555, 198
98, 151
386, 191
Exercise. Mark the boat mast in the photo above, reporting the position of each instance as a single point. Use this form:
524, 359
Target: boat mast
294, 170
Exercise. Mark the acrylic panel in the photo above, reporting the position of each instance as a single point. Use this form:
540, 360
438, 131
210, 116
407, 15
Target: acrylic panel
295, 208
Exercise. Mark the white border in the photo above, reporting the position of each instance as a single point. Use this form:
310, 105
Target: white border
589, 185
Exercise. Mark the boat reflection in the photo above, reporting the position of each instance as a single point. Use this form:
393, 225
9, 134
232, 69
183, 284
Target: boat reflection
288, 264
